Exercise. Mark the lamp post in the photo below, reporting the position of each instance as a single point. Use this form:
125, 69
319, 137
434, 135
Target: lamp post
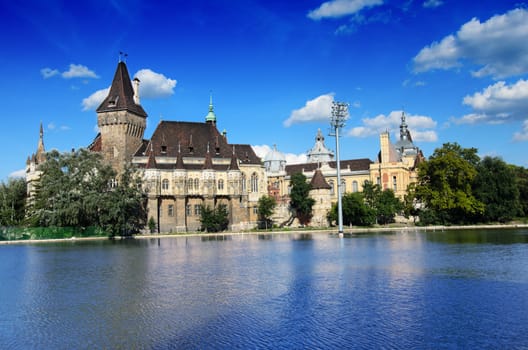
337, 120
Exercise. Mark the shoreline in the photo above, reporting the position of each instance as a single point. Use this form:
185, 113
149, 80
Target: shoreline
347, 231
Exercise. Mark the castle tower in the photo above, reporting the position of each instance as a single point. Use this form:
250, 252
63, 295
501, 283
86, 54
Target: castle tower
121, 120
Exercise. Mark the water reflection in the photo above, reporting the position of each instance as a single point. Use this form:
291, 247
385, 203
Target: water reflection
394, 290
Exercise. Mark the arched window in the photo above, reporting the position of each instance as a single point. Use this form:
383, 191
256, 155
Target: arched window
332, 190
220, 184
354, 186
196, 184
243, 182
189, 184
165, 184
254, 182
342, 189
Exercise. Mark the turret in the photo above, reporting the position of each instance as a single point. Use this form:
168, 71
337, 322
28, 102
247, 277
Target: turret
121, 120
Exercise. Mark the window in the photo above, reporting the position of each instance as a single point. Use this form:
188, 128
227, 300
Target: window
188, 211
220, 184
243, 182
163, 149
394, 184
170, 210
197, 209
331, 183
254, 182
255, 210
165, 184
378, 180
343, 187
196, 184
354, 186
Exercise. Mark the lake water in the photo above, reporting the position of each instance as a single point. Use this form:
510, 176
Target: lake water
404, 290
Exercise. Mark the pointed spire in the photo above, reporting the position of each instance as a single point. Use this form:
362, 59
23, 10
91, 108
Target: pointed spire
151, 162
318, 181
404, 132
208, 163
121, 94
234, 161
40, 156
179, 159
210, 117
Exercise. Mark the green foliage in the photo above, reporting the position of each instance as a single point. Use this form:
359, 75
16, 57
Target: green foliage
12, 201
151, 225
355, 210
214, 219
496, 186
266, 205
24, 233
384, 203
300, 200
74, 191
521, 178
445, 186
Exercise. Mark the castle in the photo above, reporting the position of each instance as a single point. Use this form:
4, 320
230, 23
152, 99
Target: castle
186, 165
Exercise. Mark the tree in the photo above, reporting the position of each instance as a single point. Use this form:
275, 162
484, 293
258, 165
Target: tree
122, 210
300, 200
384, 203
387, 206
521, 178
445, 186
76, 189
495, 185
214, 219
410, 205
355, 210
12, 201
266, 205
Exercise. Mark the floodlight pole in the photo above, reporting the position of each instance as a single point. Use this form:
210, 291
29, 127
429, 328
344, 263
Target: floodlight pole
339, 115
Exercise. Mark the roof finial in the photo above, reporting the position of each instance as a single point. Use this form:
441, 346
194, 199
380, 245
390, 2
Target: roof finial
211, 117
121, 55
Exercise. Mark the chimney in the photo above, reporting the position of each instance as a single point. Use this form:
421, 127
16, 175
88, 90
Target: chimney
136, 90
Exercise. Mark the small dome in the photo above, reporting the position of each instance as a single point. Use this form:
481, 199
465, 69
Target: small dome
274, 155
274, 161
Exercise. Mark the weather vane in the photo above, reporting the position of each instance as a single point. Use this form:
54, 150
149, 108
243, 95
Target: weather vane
122, 55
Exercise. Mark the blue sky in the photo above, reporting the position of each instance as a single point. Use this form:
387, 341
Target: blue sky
458, 69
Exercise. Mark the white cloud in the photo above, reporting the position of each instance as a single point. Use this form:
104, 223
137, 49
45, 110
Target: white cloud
341, 8
318, 109
291, 158
498, 103
432, 3
48, 72
497, 46
522, 135
94, 100
154, 85
18, 173
472, 118
78, 71
418, 125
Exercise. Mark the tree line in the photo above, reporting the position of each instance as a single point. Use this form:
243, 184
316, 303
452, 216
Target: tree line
455, 186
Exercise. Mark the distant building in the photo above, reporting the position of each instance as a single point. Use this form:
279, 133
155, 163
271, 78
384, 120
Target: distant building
394, 168
395, 165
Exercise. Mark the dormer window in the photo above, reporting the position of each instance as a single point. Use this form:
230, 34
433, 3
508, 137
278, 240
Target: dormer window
164, 150
113, 102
